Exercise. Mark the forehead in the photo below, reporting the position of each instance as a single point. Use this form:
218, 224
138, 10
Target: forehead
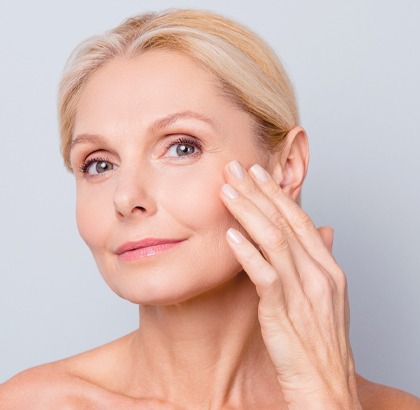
153, 85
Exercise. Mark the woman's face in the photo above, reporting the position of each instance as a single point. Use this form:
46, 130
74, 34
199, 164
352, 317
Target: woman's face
152, 137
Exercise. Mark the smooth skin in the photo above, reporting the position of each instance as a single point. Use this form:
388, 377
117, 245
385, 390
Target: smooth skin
251, 318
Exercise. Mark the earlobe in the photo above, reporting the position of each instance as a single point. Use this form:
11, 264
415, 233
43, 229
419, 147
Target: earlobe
294, 162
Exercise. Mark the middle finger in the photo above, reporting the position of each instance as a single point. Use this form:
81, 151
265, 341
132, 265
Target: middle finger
301, 256
263, 231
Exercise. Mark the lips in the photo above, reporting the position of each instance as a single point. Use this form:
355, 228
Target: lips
145, 243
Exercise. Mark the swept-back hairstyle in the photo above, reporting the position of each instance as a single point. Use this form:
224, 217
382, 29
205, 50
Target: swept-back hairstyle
246, 69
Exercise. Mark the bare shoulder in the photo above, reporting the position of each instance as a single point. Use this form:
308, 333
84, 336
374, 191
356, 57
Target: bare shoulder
52, 386
374, 396
42, 387
65, 384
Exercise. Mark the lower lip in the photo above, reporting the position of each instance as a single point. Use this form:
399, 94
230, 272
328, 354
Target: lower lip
142, 253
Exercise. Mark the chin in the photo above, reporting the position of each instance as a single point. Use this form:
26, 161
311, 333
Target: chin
156, 287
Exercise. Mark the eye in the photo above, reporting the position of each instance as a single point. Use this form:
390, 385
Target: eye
183, 147
95, 166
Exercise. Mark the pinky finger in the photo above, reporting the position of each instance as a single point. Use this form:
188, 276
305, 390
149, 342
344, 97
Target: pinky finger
262, 274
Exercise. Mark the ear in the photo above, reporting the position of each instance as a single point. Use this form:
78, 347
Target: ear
291, 166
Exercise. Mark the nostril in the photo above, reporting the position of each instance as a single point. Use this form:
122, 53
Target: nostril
140, 208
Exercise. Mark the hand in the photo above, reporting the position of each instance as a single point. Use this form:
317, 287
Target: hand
303, 309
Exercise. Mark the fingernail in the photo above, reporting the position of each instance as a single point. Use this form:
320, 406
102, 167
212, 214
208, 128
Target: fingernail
259, 173
236, 169
235, 236
229, 191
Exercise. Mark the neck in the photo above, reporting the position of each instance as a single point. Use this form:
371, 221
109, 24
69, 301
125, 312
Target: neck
206, 351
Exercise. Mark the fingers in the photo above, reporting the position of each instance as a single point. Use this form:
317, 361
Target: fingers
259, 187
263, 232
285, 234
268, 284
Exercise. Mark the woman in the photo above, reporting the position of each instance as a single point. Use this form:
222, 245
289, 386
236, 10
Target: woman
183, 134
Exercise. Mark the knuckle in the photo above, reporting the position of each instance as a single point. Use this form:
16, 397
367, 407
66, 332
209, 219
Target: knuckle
249, 190
281, 223
322, 287
301, 220
269, 280
287, 230
275, 239
278, 219
341, 281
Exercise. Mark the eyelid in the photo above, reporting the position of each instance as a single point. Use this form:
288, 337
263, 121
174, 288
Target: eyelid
188, 140
83, 168
83, 152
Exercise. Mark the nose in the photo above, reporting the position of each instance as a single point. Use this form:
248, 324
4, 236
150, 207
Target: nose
132, 195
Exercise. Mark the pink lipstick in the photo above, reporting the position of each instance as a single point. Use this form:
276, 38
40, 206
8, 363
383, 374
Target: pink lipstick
146, 247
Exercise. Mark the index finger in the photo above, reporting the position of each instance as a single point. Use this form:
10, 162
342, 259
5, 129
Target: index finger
299, 221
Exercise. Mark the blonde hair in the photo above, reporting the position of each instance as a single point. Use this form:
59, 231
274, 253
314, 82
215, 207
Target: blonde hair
247, 70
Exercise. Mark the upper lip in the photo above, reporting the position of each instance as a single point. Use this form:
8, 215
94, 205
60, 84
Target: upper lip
144, 243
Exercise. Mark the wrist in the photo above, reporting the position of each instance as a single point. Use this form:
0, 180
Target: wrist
324, 403
323, 395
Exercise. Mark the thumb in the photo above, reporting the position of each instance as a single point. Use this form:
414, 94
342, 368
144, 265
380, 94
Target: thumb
327, 235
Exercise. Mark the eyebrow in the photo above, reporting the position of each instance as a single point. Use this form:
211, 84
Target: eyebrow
173, 118
157, 125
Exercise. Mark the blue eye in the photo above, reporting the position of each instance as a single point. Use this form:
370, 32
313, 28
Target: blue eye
95, 166
183, 147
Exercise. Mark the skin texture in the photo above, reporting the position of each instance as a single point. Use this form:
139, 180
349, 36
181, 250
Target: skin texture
151, 178
253, 322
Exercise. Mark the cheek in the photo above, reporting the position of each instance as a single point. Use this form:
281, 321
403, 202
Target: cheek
91, 215
196, 203
191, 201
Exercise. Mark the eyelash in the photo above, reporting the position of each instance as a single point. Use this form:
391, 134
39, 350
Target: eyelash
182, 140
187, 141
85, 166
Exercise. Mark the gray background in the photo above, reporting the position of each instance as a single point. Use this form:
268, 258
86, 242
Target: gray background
355, 66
